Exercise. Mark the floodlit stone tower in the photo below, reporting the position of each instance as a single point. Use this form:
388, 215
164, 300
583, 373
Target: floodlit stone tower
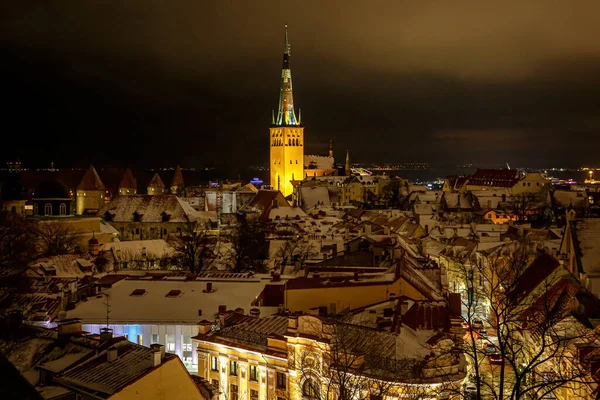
286, 134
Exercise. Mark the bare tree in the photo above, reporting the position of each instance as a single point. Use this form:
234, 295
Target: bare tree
526, 205
248, 248
17, 244
196, 246
296, 251
522, 306
356, 362
55, 238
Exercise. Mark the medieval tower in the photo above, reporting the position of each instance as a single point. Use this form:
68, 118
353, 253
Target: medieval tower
286, 134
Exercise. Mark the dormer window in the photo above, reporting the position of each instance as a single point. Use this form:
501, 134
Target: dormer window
137, 217
165, 216
138, 292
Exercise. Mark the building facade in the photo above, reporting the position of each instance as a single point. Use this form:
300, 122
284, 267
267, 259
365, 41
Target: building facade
286, 135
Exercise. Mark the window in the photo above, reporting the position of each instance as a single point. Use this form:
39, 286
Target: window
154, 338
35, 209
524, 184
186, 348
253, 373
310, 389
253, 394
233, 389
165, 231
140, 340
233, 368
528, 183
48, 209
281, 381
214, 364
63, 209
170, 343
137, 231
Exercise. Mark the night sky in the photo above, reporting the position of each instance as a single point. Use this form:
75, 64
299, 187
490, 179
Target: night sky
152, 83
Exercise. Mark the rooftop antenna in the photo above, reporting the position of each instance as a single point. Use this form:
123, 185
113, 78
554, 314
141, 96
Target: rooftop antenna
107, 308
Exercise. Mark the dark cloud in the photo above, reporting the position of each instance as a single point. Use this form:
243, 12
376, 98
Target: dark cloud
150, 82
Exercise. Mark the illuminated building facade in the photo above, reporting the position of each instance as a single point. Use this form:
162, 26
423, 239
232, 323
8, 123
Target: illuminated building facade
286, 135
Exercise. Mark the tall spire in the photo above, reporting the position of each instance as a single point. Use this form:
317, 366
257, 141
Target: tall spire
286, 116
347, 163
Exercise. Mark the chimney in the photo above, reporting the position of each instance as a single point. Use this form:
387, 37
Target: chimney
112, 354
204, 327
69, 327
157, 354
276, 277
106, 334
372, 317
209, 287
222, 309
255, 312
199, 312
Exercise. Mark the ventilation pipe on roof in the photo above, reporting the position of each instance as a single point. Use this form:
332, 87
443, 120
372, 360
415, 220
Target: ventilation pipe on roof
112, 354
158, 353
106, 334
255, 312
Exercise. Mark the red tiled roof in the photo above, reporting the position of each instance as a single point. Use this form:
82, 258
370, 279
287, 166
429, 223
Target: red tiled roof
495, 177
156, 182
177, 178
91, 180
128, 181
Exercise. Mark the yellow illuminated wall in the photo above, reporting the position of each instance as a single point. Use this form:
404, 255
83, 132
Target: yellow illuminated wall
287, 157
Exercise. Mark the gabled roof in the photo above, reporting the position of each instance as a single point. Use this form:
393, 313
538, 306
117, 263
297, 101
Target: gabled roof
150, 209
128, 181
495, 177
177, 178
104, 378
156, 182
91, 180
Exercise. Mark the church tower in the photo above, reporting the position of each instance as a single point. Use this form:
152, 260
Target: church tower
286, 134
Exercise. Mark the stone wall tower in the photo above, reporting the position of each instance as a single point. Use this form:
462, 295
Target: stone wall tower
286, 135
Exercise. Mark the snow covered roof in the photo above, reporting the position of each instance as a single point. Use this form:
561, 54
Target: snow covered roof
150, 208
286, 212
154, 307
177, 178
99, 375
65, 266
588, 235
317, 162
568, 198
314, 195
137, 249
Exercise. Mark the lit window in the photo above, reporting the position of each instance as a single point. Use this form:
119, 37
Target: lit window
233, 368
140, 340
154, 338
253, 373
281, 381
170, 343
214, 364
310, 389
186, 348
233, 392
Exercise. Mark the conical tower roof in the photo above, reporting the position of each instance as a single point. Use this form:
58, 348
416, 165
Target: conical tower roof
156, 182
286, 115
177, 178
128, 181
91, 180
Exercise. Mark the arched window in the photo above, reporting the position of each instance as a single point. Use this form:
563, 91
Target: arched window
310, 389
296, 142
289, 142
63, 209
48, 209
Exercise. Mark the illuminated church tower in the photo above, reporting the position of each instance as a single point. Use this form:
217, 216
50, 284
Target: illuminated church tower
286, 134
